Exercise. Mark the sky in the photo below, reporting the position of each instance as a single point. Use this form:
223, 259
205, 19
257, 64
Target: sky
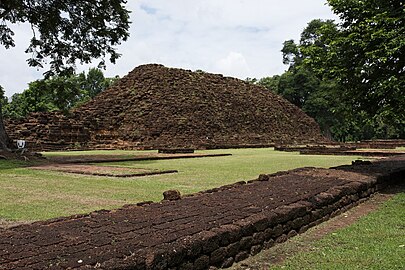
237, 38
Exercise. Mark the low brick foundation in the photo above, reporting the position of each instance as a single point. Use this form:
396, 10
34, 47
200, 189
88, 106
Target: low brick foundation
210, 229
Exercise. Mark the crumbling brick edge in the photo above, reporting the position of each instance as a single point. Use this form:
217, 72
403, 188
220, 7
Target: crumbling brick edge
227, 244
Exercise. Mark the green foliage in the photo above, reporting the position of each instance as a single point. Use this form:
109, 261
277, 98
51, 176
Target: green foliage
68, 31
64, 33
57, 93
367, 57
300, 85
290, 53
271, 83
3, 98
321, 79
95, 82
16, 108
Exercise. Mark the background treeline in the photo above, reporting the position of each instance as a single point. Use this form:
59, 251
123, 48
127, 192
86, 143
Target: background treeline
58, 93
349, 76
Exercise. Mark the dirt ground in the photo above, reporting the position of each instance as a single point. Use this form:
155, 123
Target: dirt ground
111, 171
114, 158
280, 252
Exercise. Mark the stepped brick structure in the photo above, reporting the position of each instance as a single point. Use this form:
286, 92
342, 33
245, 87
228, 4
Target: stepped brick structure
154, 106
50, 131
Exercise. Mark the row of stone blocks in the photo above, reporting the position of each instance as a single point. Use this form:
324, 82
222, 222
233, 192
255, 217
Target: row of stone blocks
223, 246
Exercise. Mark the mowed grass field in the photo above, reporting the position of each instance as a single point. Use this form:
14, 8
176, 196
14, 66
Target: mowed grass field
27, 194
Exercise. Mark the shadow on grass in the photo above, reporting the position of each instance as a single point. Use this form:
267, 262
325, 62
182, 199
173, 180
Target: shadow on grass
14, 164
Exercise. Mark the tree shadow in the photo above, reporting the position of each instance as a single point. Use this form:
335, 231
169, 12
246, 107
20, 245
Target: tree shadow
13, 164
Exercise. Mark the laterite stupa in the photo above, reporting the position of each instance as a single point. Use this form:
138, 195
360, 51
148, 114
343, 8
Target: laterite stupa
155, 106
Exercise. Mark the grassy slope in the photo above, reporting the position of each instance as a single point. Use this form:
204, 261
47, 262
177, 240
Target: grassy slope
33, 195
377, 241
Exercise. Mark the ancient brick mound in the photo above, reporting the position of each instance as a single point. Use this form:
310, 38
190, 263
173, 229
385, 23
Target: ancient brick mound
158, 107
50, 131
212, 228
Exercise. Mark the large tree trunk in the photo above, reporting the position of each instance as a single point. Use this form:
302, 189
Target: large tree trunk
4, 139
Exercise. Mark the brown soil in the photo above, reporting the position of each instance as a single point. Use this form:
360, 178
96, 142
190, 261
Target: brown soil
341, 149
359, 152
101, 170
70, 164
154, 107
158, 233
117, 158
279, 253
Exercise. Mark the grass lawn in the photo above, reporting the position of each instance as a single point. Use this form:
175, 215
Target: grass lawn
27, 194
376, 241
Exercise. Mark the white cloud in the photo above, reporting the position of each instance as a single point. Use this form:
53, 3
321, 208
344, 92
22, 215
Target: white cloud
234, 64
237, 37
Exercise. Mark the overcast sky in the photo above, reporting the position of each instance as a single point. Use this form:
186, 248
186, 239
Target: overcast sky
238, 38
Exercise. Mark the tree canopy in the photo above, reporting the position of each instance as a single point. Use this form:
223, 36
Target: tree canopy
367, 55
58, 93
335, 78
353, 69
66, 32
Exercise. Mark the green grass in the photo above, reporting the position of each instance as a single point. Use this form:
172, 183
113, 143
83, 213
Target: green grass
27, 194
376, 241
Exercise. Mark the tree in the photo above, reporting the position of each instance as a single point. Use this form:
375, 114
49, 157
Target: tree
94, 82
16, 108
271, 83
316, 96
321, 79
4, 140
65, 32
58, 93
291, 54
296, 85
3, 98
367, 56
